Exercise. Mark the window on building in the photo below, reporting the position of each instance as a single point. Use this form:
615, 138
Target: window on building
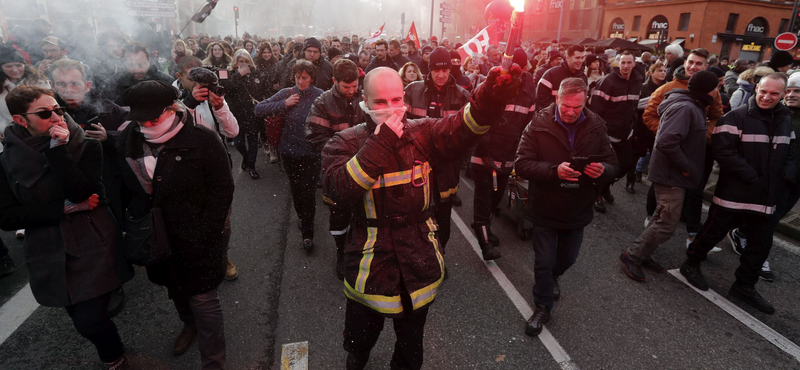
784, 26
733, 18
575, 20
683, 24
637, 21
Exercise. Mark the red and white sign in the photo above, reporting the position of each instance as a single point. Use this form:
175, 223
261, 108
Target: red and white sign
479, 43
786, 41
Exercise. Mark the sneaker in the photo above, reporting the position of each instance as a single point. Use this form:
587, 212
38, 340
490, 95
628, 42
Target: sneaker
121, 363
535, 324
633, 270
20, 233
694, 275
647, 221
737, 242
7, 266
254, 175
766, 272
308, 245
273, 156
599, 206
749, 294
653, 265
690, 239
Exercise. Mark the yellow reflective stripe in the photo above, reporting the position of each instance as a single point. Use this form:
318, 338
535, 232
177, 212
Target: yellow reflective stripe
426, 191
369, 205
381, 303
426, 295
402, 177
327, 200
358, 174
471, 124
447, 193
368, 253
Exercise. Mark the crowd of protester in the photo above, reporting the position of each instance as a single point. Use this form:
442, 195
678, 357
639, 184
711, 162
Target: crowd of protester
122, 128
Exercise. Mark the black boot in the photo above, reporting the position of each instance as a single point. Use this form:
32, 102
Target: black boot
629, 188
487, 249
535, 324
491, 237
607, 194
340, 242
599, 206
357, 360
694, 275
749, 294
456, 200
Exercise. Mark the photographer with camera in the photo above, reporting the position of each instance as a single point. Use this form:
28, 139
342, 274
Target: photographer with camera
205, 102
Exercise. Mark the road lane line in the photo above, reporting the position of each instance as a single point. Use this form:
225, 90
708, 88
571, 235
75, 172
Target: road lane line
757, 326
550, 342
294, 356
14, 312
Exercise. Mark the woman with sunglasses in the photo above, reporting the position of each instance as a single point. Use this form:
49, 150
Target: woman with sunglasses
302, 165
71, 233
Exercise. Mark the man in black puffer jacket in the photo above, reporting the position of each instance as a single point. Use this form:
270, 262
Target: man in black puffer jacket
493, 160
755, 148
561, 197
571, 67
615, 100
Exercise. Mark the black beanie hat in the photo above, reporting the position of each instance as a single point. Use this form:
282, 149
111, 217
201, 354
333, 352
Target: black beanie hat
780, 59
454, 55
10, 55
717, 71
439, 59
703, 82
591, 58
520, 58
333, 53
312, 43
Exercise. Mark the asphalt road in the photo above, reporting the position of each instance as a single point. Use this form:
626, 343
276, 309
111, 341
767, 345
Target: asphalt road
285, 296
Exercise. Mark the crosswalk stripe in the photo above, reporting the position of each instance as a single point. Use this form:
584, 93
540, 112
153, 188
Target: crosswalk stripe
550, 342
294, 356
751, 322
14, 312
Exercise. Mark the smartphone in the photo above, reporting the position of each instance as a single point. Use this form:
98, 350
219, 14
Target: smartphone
580, 163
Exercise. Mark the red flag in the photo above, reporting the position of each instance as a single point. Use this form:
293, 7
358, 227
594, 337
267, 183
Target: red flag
412, 35
375, 36
479, 43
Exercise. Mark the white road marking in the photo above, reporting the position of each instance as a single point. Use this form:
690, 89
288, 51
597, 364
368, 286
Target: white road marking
759, 327
14, 312
550, 342
294, 356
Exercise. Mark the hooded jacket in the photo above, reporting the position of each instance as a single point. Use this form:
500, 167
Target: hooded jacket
547, 89
650, 117
680, 144
615, 100
755, 150
545, 144
742, 94
392, 248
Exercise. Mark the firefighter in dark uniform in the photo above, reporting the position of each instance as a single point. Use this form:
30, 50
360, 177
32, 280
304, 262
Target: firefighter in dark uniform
381, 168
493, 160
438, 96
333, 111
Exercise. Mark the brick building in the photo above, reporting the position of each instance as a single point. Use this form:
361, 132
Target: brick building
580, 19
734, 28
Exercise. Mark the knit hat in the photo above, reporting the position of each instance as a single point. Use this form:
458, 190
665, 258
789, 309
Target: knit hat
553, 55
780, 59
454, 55
591, 58
10, 55
312, 43
703, 82
427, 49
333, 53
433, 38
520, 58
717, 71
147, 99
439, 59
794, 80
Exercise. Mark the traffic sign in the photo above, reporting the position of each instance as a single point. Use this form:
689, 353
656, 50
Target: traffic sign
444, 20
445, 6
147, 13
786, 41
444, 13
151, 5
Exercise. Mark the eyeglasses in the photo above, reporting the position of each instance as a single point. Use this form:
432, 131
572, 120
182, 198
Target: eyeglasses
46, 114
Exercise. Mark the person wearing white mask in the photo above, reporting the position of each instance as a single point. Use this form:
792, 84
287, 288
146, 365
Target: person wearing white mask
394, 263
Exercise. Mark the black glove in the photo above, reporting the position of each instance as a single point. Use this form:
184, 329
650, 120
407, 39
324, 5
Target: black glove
492, 94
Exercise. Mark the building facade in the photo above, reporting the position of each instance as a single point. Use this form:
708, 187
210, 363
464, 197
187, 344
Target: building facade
578, 19
734, 28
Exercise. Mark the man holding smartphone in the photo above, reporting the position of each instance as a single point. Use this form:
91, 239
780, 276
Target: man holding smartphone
561, 192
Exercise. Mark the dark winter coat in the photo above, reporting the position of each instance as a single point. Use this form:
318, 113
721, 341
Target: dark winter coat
547, 89
375, 63
392, 248
122, 80
400, 60
331, 113
615, 100
755, 150
324, 79
238, 94
192, 185
680, 143
70, 258
545, 144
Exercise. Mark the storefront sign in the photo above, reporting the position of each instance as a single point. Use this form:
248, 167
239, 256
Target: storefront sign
556, 4
756, 27
659, 25
751, 47
616, 29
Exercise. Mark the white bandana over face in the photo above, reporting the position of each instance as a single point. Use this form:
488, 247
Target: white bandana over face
382, 115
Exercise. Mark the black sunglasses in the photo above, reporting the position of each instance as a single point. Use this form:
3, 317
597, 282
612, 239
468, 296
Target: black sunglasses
46, 114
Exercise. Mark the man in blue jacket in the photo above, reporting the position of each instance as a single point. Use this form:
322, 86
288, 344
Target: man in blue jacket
755, 148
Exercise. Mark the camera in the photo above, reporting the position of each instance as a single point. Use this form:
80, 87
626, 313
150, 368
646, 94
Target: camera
209, 77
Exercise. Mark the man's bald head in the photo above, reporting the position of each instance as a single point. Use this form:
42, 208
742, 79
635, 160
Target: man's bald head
383, 88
